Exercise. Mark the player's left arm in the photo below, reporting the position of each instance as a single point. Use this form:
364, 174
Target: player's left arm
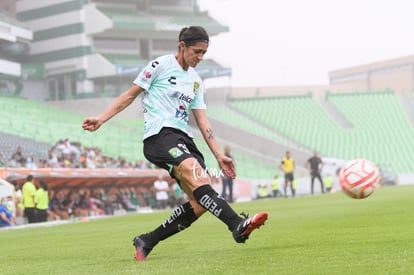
226, 163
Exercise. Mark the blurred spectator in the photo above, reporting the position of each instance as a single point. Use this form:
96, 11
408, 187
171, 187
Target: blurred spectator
72, 155
2, 161
81, 205
18, 199
66, 161
6, 215
29, 192
52, 160
42, 202
69, 202
275, 187
107, 202
17, 158
30, 162
262, 191
65, 147
82, 160
96, 206
287, 165
90, 162
14, 162
123, 198
227, 181
178, 194
56, 206
161, 188
328, 183
314, 165
139, 164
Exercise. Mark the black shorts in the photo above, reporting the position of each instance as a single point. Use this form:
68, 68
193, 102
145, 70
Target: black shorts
289, 177
170, 147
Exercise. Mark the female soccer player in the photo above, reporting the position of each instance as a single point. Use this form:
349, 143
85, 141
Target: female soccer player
171, 88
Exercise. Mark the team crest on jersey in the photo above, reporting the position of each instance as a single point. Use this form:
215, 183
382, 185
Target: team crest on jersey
175, 152
196, 87
181, 113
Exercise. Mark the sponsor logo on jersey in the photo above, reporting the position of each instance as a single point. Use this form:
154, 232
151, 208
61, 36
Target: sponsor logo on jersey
182, 96
185, 98
181, 113
175, 152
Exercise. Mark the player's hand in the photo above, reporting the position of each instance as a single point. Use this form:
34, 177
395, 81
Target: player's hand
91, 124
227, 165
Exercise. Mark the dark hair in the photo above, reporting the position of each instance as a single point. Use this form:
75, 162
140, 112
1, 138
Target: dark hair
29, 178
43, 185
193, 34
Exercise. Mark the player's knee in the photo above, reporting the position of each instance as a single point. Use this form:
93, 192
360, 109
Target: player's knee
191, 172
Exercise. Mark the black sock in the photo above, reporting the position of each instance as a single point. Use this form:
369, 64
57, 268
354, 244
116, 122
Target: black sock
209, 199
181, 218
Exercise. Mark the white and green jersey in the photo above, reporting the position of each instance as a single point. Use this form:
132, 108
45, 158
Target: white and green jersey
170, 92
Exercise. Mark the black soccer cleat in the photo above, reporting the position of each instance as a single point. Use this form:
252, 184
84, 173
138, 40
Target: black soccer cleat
142, 249
246, 226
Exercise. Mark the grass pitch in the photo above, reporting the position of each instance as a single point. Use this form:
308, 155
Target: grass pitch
328, 234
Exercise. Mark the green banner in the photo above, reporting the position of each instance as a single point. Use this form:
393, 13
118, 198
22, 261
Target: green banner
33, 71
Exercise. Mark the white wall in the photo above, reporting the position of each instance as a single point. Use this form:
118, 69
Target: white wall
95, 21
25, 5
59, 43
97, 66
9, 67
35, 89
61, 19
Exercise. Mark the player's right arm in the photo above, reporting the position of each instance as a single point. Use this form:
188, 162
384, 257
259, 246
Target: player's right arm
281, 166
123, 101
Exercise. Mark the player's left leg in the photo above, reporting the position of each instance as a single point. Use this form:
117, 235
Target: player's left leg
196, 183
230, 184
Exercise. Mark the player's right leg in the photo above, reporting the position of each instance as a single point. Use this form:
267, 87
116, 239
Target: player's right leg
322, 185
181, 218
312, 183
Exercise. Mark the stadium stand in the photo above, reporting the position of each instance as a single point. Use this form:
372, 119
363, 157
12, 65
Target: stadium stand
287, 120
299, 117
382, 129
119, 138
378, 126
9, 143
232, 117
43, 123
